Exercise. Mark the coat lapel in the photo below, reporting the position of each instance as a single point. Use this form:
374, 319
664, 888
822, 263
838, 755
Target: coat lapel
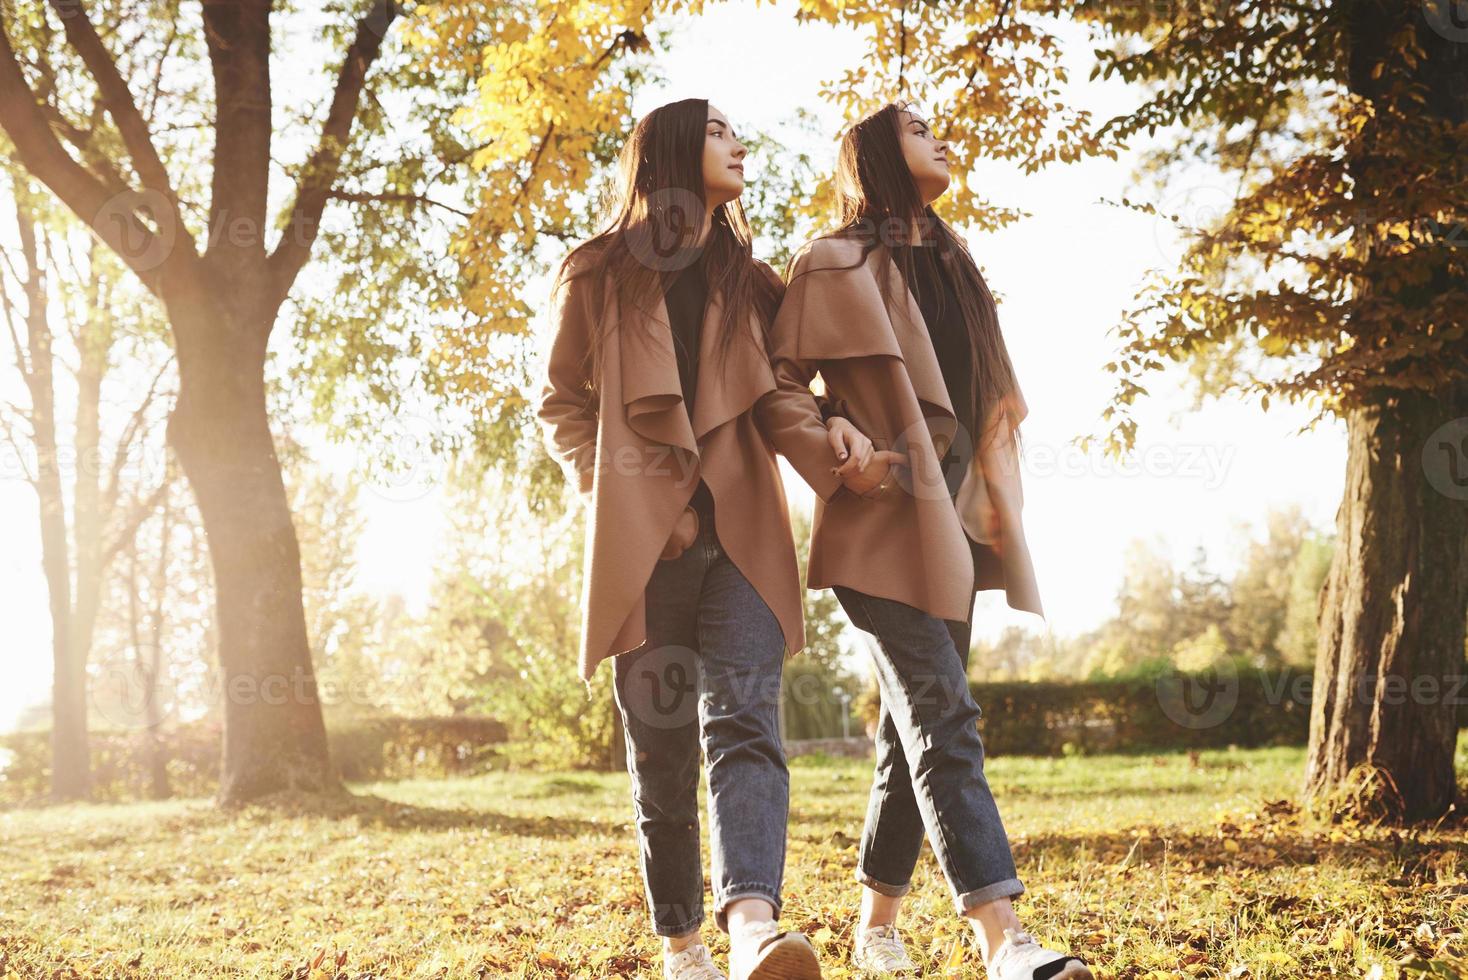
916, 342
652, 391
867, 311
726, 391
652, 394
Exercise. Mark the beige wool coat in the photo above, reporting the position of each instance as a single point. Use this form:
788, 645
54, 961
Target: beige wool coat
636, 457
863, 331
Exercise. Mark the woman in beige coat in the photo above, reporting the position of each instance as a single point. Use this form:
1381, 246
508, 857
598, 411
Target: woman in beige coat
893, 313
657, 359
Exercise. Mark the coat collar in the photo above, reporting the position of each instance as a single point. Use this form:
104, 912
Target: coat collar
864, 311
868, 311
652, 392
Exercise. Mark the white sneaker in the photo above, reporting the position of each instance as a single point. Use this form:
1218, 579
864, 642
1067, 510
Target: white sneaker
760, 951
1021, 957
880, 950
692, 963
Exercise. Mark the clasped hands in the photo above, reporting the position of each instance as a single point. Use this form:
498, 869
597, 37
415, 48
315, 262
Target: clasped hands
864, 470
870, 472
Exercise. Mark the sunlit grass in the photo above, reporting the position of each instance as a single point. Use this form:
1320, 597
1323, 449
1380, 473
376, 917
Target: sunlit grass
1150, 866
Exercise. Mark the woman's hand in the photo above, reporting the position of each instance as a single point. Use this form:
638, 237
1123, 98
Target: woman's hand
990, 517
876, 478
684, 533
848, 444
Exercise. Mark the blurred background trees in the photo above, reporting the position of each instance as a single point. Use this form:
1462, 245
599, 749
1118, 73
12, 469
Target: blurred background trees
372, 240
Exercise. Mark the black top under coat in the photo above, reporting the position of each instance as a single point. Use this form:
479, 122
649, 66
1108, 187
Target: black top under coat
938, 301
686, 296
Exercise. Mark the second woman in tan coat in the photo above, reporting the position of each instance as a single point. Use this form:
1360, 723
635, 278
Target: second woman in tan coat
892, 312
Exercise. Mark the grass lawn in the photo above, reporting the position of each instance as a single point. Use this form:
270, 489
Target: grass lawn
1149, 866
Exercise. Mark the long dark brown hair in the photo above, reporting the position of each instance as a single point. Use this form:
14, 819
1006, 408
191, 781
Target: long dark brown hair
878, 204
655, 213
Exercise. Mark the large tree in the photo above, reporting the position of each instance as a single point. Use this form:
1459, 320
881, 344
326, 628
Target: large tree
1337, 277
221, 272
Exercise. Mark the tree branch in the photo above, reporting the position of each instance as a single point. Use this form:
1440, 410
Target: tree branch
397, 198
135, 424
325, 162
93, 203
137, 514
119, 102
12, 314
80, 137
25, 471
237, 34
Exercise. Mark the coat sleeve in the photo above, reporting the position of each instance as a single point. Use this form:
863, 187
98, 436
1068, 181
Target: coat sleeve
833, 408
566, 409
790, 416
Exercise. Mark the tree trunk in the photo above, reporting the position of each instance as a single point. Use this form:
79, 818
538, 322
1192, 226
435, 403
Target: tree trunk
222, 303
274, 734
94, 342
148, 655
71, 765
1392, 624
71, 757
1383, 723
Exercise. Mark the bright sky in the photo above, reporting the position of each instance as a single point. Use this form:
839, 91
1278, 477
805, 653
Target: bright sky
1062, 277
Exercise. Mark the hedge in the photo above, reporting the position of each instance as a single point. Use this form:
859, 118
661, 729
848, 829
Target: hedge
364, 750
1250, 708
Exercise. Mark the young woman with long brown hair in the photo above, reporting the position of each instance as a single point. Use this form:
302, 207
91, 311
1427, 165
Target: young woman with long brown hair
691, 585
893, 313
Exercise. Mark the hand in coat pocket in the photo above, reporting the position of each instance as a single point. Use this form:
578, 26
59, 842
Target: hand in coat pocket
991, 519
685, 532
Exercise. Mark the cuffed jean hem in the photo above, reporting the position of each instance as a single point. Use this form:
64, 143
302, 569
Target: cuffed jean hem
1008, 888
881, 887
674, 932
751, 889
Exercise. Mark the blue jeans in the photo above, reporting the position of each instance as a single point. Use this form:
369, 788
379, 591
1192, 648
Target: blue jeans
930, 760
709, 676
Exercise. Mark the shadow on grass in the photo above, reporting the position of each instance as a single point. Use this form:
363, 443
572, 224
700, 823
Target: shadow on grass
1403, 860
380, 813
1004, 791
1281, 837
